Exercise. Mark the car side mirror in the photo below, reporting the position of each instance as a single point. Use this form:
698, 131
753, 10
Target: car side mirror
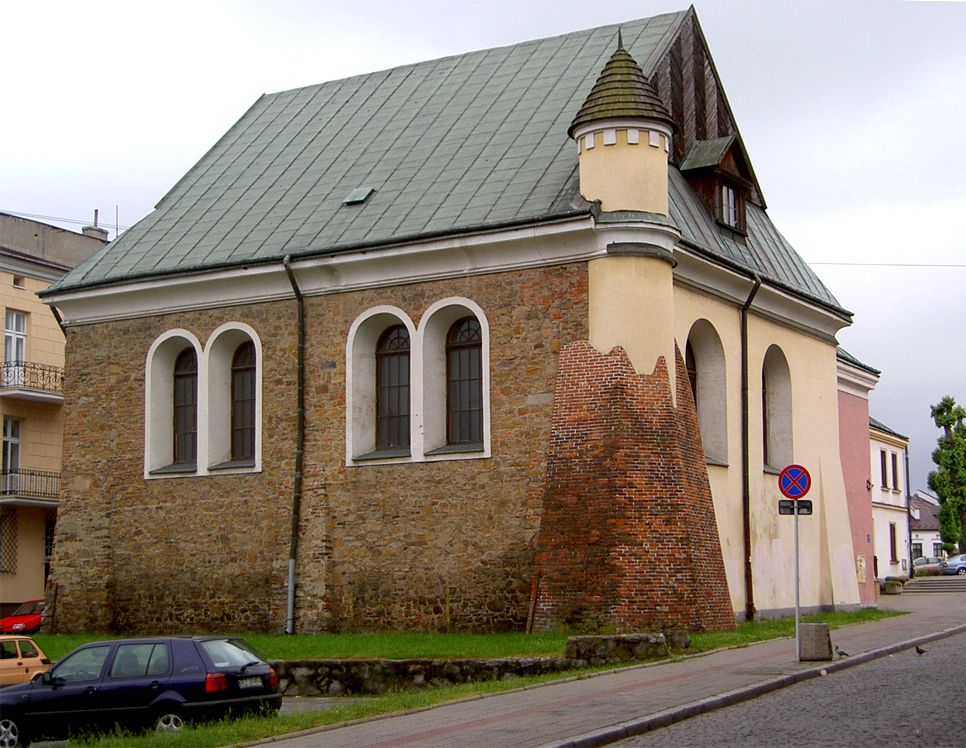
44, 677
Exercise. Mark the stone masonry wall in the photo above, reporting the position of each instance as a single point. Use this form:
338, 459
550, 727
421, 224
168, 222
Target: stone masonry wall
628, 537
431, 545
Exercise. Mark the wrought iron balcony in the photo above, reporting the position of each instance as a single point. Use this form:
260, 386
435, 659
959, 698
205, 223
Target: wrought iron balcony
31, 381
30, 484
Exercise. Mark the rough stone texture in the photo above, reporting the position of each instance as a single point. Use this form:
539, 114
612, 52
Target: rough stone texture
628, 539
816, 643
445, 545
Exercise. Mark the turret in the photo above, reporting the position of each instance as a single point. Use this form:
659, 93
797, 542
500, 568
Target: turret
623, 133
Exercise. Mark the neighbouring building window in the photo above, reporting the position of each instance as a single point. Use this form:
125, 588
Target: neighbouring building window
916, 550
883, 468
186, 408
392, 388
15, 336
893, 551
11, 455
731, 207
8, 540
243, 403
937, 549
19, 281
464, 383
895, 471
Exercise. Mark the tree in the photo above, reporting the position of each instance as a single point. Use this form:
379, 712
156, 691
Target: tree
949, 479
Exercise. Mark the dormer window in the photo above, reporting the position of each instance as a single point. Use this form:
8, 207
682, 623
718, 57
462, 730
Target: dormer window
731, 207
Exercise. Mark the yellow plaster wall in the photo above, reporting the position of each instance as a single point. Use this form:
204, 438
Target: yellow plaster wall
825, 545
45, 341
631, 305
625, 176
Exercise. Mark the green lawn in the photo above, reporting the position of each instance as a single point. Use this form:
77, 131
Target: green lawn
412, 645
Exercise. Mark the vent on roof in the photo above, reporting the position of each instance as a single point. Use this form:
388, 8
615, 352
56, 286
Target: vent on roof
358, 195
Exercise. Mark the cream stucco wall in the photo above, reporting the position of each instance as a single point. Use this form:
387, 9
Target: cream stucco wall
827, 575
28, 581
625, 175
631, 305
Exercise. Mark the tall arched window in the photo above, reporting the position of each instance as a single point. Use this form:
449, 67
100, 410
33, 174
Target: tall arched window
243, 403
776, 409
392, 388
464, 382
186, 408
705, 361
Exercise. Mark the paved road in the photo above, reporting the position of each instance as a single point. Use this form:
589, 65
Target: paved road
900, 699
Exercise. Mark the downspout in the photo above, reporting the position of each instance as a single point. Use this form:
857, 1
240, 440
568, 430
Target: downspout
60, 320
745, 457
299, 448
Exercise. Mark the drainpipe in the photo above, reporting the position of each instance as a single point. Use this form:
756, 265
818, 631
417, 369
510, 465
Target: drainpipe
299, 448
745, 458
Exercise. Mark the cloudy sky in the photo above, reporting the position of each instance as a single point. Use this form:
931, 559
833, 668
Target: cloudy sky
853, 114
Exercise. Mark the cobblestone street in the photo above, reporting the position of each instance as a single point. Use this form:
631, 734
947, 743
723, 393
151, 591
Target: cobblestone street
902, 699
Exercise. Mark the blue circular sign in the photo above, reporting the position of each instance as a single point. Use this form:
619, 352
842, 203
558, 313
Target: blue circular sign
794, 482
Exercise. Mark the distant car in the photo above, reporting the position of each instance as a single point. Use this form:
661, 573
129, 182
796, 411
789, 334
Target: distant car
926, 565
954, 565
159, 682
24, 620
20, 660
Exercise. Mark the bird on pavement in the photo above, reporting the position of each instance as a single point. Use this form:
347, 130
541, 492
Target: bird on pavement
840, 652
920, 651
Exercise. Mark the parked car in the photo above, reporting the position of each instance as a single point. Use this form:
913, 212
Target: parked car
954, 565
24, 620
20, 660
158, 682
926, 565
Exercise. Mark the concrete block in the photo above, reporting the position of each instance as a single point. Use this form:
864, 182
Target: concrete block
815, 641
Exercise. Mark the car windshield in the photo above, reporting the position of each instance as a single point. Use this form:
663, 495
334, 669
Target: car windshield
230, 652
31, 607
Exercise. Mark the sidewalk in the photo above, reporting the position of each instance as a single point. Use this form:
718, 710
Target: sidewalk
610, 706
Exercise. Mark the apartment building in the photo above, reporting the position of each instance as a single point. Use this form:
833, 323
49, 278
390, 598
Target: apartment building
32, 256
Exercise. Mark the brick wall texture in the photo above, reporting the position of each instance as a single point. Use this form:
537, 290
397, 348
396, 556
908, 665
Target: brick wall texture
628, 538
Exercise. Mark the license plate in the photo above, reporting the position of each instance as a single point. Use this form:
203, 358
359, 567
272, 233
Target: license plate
254, 682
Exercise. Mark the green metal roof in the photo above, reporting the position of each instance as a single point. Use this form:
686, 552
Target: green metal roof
451, 145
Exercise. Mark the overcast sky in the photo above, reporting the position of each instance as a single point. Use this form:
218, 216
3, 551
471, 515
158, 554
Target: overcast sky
853, 114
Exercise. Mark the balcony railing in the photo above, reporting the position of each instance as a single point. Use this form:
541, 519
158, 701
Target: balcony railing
36, 484
27, 376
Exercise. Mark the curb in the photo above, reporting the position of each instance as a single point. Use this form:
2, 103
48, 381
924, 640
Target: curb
624, 730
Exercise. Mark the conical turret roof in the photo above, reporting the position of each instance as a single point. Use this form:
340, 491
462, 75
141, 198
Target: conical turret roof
621, 91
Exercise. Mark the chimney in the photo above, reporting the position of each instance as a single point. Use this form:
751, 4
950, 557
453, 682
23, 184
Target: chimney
95, 231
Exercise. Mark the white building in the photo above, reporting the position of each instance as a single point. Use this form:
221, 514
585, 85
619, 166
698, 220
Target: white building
924, 525
890, 503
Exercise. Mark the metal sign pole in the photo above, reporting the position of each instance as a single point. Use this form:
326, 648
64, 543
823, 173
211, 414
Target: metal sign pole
798, 634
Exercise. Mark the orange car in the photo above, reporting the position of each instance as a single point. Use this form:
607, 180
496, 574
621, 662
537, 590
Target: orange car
20, 660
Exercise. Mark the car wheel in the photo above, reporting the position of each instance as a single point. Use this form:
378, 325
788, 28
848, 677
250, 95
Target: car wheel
168, 720
962, 571
10, 734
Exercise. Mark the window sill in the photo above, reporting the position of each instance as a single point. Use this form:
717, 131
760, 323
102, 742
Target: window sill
382, 454
176, 469
232, 464
716, 463
451, 449
771, 470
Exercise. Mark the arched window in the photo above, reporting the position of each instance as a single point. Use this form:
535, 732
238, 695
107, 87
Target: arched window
464, 382
243, 403
392, 388
692, 368
776, 410
705, 363
186, 408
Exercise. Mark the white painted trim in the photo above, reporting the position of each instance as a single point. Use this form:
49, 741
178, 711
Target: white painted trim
623, 123
855, 381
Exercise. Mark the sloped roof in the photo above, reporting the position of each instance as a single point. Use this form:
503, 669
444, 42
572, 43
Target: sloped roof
879, 426
844, 355
451, 145
928, 514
